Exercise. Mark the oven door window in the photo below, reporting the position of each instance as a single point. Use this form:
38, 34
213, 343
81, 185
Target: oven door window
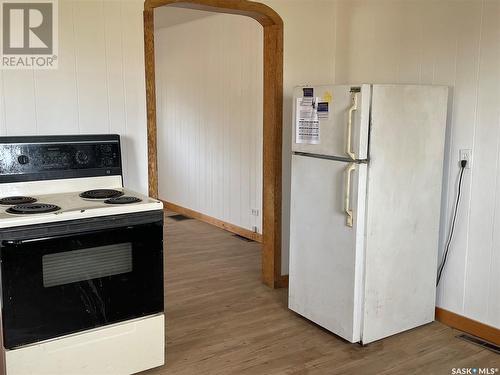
57, 286
86, 264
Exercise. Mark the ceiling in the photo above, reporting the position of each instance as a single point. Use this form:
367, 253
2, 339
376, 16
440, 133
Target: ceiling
168, 16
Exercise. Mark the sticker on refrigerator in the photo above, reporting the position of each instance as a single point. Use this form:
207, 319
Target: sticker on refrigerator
307, 127
327, 97
308, 97
323, 109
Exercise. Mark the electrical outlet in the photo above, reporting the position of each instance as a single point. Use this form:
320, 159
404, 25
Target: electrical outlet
466, 154
255, 212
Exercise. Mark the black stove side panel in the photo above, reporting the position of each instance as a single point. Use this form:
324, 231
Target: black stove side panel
36, 158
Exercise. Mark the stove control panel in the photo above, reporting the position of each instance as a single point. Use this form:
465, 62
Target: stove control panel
56, 157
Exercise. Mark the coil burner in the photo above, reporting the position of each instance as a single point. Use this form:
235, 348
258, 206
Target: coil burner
101, 194
33, 208
12, 201
122, 200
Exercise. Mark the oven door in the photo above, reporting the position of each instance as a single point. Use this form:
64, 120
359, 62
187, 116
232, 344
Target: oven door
63, 278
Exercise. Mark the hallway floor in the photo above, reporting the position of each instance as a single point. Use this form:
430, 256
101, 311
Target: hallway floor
222, 320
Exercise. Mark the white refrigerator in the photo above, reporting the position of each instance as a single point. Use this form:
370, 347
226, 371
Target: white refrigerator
367, 166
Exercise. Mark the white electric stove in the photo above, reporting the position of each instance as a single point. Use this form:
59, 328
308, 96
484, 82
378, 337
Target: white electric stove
81, 260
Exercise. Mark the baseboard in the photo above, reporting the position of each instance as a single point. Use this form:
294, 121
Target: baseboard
473, 327
282, 281
213, 221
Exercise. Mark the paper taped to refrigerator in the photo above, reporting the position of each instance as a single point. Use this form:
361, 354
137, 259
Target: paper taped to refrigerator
307, 125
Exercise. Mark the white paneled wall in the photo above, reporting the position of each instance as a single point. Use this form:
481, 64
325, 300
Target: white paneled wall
98, 88
209, 75
454, 43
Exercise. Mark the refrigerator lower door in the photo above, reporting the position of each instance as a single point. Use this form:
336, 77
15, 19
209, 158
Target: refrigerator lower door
326, 252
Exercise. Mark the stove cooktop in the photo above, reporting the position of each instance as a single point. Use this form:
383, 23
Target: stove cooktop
63, 178
71, 206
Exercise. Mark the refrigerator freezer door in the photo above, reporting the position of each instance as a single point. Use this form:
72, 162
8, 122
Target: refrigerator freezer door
347, 109
403, 207
326, 253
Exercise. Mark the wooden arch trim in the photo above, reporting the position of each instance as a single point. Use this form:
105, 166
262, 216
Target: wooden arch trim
273, 115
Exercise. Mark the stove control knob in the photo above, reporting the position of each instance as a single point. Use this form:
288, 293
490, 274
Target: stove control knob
82, 157
106, 149
108, 162
23, 159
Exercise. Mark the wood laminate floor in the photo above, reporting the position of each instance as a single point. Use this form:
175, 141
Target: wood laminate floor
222, 320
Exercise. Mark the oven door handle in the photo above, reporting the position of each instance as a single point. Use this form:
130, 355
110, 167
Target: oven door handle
41, 239
22, 242
11, 243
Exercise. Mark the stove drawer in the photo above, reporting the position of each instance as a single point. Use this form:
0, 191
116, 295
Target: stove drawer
141, 341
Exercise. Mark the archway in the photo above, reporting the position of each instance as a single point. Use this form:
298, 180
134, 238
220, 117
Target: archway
272, 109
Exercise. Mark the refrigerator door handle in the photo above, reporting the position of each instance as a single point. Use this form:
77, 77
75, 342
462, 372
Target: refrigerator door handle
352, 109
348, 210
